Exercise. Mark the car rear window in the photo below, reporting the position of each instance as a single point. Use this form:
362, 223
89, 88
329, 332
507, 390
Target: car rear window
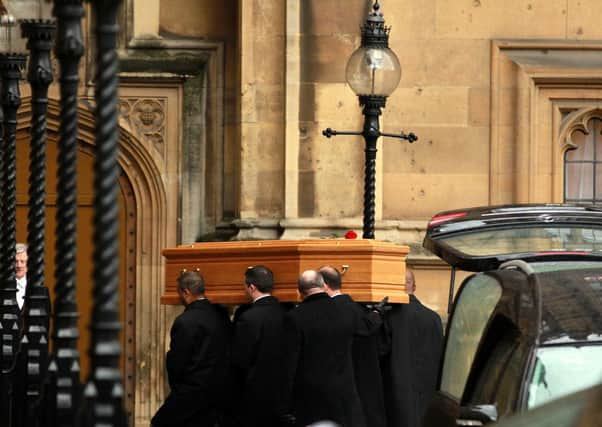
526, 240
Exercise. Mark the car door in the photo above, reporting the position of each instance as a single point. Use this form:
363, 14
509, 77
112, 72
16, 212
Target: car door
473, 309
495, 382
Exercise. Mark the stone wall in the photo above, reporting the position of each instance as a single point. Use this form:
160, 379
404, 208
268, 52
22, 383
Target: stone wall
283, 179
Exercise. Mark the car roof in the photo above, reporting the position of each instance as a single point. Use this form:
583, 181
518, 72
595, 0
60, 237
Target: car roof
482, 238
553, 307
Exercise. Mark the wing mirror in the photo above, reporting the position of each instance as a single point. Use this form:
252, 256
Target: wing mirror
477, 415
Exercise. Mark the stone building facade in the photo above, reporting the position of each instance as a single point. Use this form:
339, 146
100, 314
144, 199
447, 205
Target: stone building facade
223, 104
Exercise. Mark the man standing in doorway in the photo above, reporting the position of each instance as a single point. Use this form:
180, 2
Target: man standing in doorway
257, 353
197, 360
21, 273
410, 369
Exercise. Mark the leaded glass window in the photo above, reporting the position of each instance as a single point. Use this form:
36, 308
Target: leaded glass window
583, 165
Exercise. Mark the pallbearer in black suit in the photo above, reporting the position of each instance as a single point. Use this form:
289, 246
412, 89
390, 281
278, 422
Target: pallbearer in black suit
197, 360
257, 357
411, 367
365, 351
319, 335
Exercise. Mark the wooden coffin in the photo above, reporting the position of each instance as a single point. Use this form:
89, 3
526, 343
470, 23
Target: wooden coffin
373, 269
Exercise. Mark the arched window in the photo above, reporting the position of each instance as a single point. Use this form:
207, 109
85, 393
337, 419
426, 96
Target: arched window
583, 165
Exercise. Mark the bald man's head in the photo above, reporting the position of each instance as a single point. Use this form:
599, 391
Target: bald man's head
331, 276
310, 282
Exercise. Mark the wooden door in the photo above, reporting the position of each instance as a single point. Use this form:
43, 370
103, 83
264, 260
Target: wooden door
84, 268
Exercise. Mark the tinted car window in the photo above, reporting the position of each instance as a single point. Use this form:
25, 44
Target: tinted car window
571, 306
563, 370
511, 380
473, 307
497, 360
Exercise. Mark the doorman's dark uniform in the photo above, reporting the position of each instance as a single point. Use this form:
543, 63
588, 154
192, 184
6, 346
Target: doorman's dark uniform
320, 379
410, 368
197, 367
257, 360
366, 364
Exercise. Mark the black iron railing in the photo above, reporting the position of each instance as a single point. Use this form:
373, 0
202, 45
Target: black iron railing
40, 377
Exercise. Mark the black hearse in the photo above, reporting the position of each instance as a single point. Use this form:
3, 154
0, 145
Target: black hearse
526, 328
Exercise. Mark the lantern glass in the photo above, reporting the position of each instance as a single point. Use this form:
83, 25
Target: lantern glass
10, 37
29, 9
373, 71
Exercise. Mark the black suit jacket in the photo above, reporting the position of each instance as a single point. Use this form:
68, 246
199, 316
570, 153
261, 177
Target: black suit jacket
257, 360
366, 364
410, 368
320, 380
197, 367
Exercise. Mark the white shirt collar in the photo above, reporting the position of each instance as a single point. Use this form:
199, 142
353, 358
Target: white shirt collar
20, 294
260, 297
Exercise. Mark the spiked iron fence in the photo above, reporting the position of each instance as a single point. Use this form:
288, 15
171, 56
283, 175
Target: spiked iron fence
40, 377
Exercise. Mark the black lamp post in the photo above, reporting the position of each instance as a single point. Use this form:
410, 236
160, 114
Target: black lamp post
373, 72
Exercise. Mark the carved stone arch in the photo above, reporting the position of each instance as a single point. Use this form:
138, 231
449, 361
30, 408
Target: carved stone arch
576, 121
153, 229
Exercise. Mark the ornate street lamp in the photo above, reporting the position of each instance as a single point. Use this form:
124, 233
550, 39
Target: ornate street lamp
373, 72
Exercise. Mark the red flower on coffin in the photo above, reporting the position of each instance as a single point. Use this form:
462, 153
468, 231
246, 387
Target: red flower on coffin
351, 235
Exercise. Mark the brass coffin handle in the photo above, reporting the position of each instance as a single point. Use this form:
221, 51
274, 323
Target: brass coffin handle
344, 269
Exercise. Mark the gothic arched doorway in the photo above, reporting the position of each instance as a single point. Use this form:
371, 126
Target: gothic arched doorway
84, 268
148, 224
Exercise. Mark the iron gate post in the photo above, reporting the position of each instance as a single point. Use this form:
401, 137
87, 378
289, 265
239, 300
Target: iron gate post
66, 361
34, 344
11, 65
104, 389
